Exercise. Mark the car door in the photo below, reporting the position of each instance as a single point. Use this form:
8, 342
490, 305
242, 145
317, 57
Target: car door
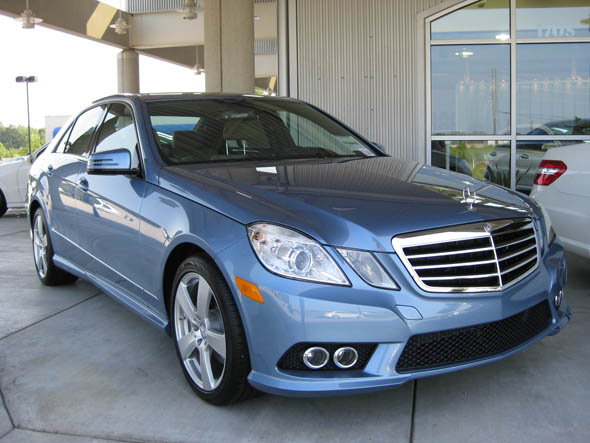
62, 168
109, 205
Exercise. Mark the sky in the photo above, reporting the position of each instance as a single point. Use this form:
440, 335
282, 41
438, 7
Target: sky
72, 72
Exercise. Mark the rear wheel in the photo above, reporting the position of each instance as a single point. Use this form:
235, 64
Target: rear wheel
48, 273
207, 328
3, 205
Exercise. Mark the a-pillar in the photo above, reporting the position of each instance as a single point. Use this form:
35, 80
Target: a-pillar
128, 71
229, 46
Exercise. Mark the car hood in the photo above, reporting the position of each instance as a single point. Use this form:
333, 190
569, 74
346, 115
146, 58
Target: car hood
359, 203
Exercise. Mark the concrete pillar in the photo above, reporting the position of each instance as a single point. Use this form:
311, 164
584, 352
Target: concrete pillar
229, 46
128, 71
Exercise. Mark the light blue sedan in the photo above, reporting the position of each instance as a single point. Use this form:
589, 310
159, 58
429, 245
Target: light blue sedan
285, 253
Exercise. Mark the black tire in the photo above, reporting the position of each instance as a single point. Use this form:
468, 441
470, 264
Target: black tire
51, 275
233, 383
3, 205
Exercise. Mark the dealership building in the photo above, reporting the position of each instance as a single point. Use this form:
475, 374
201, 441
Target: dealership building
481, 87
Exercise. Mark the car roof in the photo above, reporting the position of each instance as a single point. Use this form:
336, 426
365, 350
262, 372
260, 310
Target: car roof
187, 95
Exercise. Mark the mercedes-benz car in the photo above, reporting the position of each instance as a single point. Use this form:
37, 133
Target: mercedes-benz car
14, 176
284, 252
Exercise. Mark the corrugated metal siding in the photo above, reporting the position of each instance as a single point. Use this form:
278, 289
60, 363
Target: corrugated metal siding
356, 60
136, 6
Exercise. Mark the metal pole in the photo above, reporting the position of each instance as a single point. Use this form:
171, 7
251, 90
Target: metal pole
28, 116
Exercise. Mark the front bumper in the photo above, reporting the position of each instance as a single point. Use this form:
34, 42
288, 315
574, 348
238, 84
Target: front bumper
295, 312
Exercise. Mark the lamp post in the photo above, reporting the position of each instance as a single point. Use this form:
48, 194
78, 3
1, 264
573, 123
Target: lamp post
27, 80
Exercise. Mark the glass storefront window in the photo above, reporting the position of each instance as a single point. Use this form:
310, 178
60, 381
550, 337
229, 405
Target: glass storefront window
470, 86
553, 89
486, 19
552, 18
529, 154
480, 159
470, 89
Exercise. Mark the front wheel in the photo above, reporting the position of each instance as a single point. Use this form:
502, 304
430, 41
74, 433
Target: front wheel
48, 273
207, 328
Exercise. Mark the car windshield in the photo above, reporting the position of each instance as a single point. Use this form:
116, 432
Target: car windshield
246, 129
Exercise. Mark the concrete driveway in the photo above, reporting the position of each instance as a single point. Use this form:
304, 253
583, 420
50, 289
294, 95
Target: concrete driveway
75, 366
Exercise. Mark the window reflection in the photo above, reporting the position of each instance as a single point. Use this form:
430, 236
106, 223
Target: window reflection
481, 159
553, 89
552, 18
482, 19
529, 154
470, 89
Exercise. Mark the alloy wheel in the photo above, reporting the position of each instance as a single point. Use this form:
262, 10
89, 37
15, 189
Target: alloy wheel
40, 246
199, 331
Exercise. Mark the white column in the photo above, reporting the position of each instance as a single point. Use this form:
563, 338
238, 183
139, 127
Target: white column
229, 46
128, 71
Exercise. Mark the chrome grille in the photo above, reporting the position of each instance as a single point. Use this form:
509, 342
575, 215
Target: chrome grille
476, 257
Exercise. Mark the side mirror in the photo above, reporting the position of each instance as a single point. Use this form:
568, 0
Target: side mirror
114, 162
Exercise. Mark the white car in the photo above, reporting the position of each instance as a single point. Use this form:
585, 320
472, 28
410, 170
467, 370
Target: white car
14, 175
562, 187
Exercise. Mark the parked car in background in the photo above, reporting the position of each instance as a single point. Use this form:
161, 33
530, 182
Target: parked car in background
562, 187
530, 152
14, 176
442, 158
284, 252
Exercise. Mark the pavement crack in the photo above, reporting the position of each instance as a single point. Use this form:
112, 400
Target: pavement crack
7, 411
52, 315
12, 233
98, 437
413, 415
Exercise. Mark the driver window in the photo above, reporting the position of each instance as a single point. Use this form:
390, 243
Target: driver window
118, 132
78, 142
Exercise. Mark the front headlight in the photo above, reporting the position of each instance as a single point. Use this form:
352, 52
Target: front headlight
294, 255
549, 232
368, 268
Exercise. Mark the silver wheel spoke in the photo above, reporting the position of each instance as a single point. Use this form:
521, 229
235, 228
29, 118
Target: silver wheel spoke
206, 371
186, 304
187, 345
203, 299
43, 263
217, 342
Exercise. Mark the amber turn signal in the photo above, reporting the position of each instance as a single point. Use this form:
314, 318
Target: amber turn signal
249, 290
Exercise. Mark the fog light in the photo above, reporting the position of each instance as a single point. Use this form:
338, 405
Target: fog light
557, 299
345, 357
316, 357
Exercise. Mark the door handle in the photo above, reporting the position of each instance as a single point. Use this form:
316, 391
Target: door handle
49, 170
524, 156
83, 182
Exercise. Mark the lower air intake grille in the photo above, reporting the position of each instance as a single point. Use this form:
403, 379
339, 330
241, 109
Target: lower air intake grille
455, 346
292, 360
475, 257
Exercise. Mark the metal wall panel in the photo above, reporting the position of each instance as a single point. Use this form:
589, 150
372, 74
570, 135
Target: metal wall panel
357, 60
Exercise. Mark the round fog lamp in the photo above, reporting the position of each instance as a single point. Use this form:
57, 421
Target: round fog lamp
557, 299
316, 357
345, 357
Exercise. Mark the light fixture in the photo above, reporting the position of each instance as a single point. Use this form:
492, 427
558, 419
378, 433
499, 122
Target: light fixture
503, 36
120, 26
256, 18
189, 10
28, 19
464, 53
